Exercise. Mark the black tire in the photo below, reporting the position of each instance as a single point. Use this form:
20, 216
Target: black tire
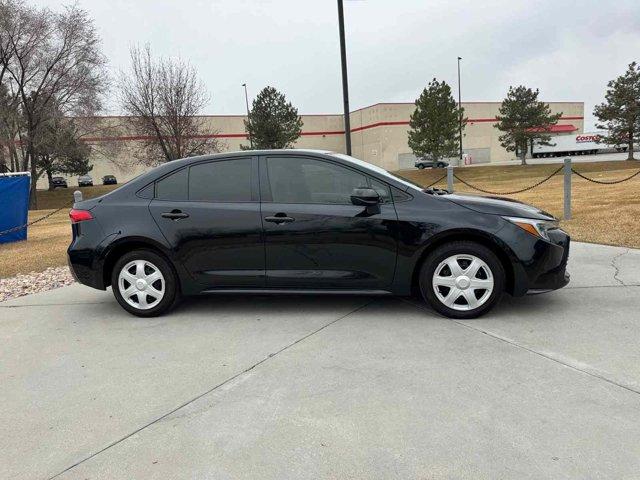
171, 287
442, 253
421, 167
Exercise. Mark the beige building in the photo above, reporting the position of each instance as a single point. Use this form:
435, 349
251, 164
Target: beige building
378, 135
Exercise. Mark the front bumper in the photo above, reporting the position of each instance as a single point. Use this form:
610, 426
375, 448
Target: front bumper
538, 265
558, 276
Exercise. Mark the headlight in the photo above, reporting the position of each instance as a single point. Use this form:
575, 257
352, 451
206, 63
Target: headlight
539, 228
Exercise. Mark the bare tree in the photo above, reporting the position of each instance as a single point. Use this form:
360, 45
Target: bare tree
10, 123
52, 61
164, 97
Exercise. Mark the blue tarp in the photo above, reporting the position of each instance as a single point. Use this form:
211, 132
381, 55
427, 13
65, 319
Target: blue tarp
14, 206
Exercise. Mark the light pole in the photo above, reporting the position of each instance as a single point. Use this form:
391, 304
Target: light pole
460, 106
345, 83
246, 99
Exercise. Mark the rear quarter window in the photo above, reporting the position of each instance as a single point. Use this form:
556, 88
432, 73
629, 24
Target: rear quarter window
173, 187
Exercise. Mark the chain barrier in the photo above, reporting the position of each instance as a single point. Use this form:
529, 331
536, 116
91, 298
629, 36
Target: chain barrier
437, 181
605, 182
511, 192
33, 222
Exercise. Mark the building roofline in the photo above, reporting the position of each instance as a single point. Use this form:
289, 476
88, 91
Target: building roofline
214, 115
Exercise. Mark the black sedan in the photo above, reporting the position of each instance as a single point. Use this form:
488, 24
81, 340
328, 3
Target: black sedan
85, 181
295, 221
109, 180
58, 182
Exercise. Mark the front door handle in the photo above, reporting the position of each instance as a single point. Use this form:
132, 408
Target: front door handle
279, 218
174, 215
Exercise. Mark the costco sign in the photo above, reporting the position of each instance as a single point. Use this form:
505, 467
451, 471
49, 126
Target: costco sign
587, 138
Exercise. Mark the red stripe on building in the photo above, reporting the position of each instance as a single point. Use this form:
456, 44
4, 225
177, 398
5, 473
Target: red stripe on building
379, 124
310, 134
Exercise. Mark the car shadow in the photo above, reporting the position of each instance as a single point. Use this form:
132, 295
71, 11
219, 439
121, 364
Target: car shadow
282, 304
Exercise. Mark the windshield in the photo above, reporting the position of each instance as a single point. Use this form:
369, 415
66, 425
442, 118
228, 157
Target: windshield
378, 170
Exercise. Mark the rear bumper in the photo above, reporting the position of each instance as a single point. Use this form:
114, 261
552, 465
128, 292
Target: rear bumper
83, 255
82, 270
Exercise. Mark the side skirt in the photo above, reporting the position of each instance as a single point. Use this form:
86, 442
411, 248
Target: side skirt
292, 291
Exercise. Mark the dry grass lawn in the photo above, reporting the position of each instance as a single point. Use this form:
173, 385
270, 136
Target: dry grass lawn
46, 246
63, 197
608, 214
47, 241
601, 213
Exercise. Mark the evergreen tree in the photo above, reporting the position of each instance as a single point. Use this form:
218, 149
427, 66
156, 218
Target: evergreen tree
435, 123
620, 112
273, 122
524, 119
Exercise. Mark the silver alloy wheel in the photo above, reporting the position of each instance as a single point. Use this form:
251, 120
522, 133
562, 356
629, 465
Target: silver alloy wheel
141, 284
463, 282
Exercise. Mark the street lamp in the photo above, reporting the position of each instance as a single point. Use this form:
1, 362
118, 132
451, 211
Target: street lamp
246, 99
345, 83
460, 106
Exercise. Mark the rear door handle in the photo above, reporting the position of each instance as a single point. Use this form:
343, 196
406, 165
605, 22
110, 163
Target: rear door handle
279, 218
174, 215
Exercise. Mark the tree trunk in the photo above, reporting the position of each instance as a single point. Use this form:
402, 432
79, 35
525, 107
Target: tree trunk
50, 179
630, 148
523, 154
31, 158
15, 162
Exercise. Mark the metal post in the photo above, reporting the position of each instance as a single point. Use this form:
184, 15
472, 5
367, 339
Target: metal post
567, 188
77, 196
460, 106
345, 83
450, 179
246, 99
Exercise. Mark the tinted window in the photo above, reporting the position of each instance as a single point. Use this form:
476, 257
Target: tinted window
173, 187
399, 195
224, 181
382, 189
304, 180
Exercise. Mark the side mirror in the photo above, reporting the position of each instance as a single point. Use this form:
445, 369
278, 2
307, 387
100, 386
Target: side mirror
365, 197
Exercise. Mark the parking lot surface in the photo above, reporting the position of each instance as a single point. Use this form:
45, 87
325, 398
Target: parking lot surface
545, 386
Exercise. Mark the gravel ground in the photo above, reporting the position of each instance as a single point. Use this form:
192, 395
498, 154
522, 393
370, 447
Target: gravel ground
25, 284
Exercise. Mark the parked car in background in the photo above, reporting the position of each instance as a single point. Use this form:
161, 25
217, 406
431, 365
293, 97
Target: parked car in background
431, 164
109, 180
303, 221
58, 182
85, 181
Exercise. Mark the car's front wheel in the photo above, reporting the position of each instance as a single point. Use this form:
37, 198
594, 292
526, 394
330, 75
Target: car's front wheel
144, 283
462, 279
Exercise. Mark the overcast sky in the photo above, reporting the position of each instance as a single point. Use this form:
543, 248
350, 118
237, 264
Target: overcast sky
568, 49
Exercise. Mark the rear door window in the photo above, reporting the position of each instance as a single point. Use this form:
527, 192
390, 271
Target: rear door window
221, 181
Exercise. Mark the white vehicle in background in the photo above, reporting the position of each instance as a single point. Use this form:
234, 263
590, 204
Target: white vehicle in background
577, 144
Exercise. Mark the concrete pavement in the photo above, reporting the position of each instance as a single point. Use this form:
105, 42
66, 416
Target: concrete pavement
545, 386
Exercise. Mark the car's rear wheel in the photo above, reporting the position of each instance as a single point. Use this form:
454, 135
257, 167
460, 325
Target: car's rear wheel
144, 283
462, 279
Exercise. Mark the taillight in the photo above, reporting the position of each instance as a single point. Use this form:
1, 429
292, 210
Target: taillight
80, 215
